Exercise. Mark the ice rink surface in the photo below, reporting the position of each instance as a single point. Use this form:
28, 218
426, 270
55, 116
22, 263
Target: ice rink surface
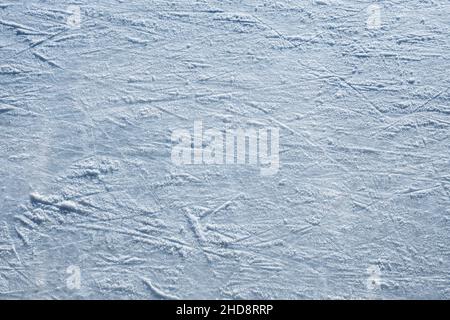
93, 207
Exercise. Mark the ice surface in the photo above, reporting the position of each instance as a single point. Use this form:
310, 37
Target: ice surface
93, 207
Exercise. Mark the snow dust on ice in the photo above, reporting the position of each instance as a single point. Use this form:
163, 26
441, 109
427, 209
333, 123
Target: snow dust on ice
92, 205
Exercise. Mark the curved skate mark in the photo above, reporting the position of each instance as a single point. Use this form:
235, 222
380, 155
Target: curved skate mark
222, 206
157, 292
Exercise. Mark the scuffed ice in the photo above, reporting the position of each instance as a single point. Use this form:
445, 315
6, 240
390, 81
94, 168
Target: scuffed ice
92, 206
